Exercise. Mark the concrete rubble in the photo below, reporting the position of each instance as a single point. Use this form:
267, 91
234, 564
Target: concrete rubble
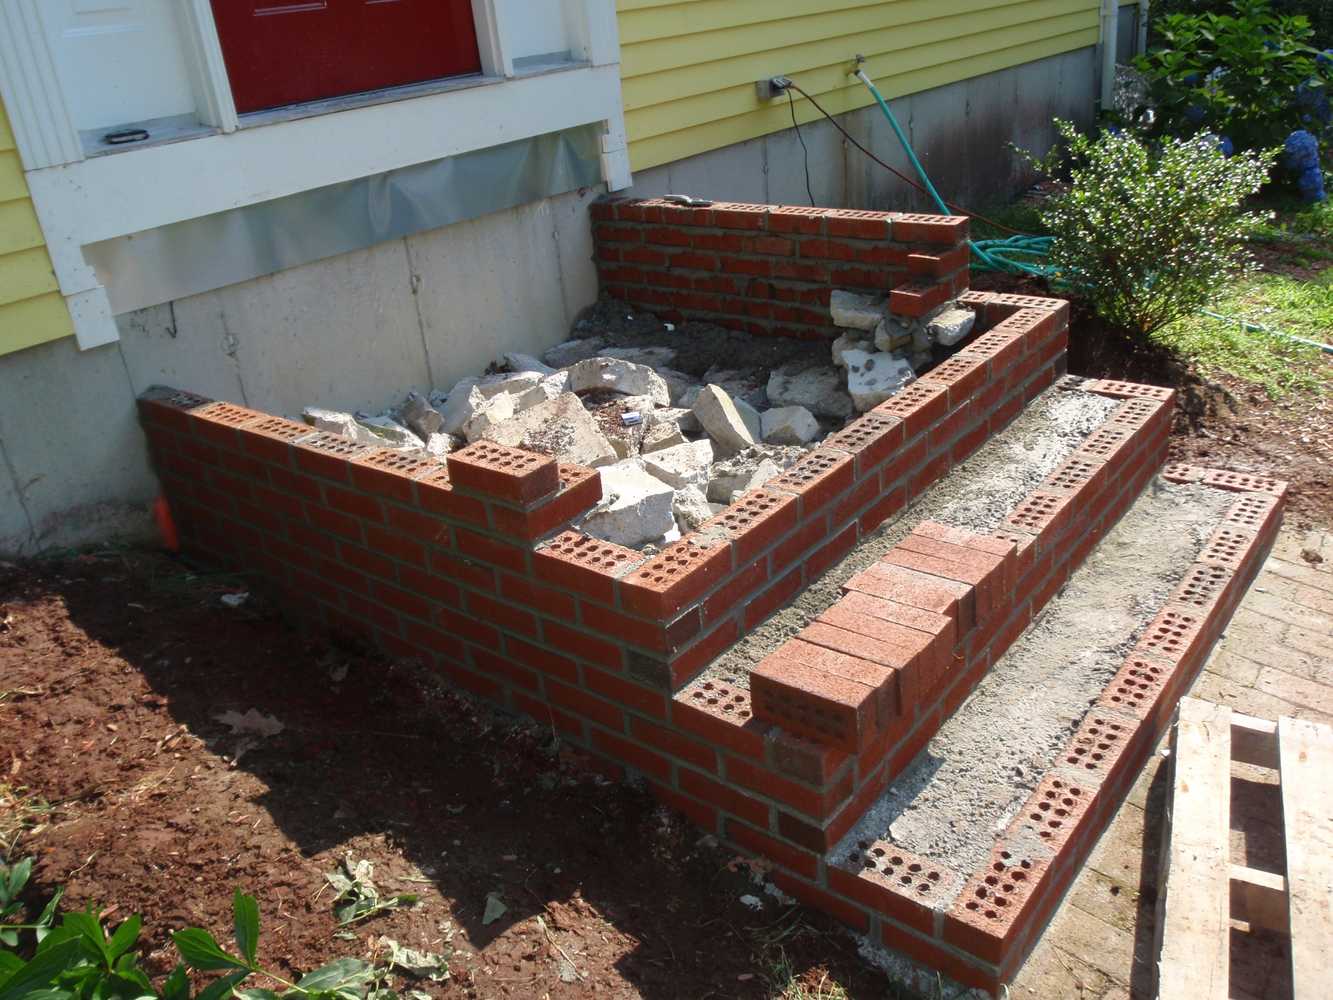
673, 448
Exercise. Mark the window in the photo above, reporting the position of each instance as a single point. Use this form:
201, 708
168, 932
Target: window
281, 52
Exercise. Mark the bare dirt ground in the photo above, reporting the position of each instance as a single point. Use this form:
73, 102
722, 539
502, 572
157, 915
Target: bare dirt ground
116, 773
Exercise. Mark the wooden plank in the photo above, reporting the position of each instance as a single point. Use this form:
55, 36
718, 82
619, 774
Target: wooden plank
1305, 751
1194, 917
1253, 741
1258, 897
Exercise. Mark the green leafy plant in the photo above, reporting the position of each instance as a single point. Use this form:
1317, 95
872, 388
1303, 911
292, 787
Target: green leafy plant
77, 959
358, 898
1151, 232
1251, 75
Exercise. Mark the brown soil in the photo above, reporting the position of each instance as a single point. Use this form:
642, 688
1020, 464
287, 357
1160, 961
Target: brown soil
1220, 421
113, 669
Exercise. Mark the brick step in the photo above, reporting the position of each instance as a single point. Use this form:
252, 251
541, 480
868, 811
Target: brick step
867, 666
978, 857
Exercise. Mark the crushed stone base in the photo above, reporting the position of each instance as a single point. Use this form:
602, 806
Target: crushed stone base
961, 791
978, 494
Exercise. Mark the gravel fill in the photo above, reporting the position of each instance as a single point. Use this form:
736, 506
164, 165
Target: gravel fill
979, 494
962, 790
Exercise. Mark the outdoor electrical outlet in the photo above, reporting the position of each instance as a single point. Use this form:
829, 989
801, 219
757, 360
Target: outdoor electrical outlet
771, 87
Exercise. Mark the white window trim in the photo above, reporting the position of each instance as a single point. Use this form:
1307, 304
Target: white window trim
84, 200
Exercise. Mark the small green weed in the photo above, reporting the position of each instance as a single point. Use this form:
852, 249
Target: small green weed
21, 813
76, 959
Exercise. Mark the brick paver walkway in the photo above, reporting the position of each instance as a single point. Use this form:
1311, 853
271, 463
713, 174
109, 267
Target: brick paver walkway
1276, 659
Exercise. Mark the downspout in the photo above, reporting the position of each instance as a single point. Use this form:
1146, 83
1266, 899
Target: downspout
1110, 41
1142, 47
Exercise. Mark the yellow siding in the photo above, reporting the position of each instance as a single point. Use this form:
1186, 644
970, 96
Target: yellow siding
688, 68
32, 310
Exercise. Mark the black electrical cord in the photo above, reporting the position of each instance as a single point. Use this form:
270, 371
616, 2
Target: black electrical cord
791, 103
897, 173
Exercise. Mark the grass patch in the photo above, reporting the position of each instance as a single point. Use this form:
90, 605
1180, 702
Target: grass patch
1278, 365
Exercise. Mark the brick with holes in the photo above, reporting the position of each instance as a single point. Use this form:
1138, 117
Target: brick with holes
584, 564
666, 583
1136, 686
893, 882
753, 523
990, 913
793, 688
816, 479
505, 473
1058, 812
918, 590
1175, 635
720, 712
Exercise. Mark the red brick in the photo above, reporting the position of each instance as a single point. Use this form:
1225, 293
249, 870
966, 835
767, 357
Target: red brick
993, 908
506, 616
808, 221
584, 564
591, 648
735, 592
732, 215
890, 502
672, 579
509, 474
764, 604
542, 660
871, 439
805, 699
625, 692
388, 473
453, 568
436, 495
941, 264
761, 844
638, 757
334, 522
918, 590
486, 549
774, 246
688, 662
816, 479
672, 742
858, 224
919, 406
894, 883
830, 552
922, 228
580, 490
360, 505
467, 627
917, 299
816, 803
554, 717
431, 585
701, 814
721, 715
582, 703
326, 455
852, 916
544, 600
726, 798
394, 545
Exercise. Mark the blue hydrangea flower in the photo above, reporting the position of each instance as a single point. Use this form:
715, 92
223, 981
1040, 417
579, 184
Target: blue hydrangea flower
1300, 155
1195, 114
1227, 147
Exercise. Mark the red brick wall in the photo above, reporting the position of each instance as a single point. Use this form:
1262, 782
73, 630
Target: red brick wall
769, 269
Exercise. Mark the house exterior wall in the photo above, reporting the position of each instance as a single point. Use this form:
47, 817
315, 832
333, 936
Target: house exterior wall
689, 68
32, 310
353, 331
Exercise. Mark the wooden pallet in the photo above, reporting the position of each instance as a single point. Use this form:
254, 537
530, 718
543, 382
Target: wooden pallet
1201, 891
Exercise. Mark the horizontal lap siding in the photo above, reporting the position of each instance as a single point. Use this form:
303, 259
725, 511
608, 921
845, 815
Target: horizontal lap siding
689, 68
32, 310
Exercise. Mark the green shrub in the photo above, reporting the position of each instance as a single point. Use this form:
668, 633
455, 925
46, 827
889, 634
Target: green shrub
1250, 74
1320, 12
1150, 233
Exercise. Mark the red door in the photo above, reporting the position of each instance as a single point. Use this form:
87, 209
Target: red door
290, 51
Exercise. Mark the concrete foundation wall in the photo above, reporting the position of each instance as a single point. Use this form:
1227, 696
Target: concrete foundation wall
360, 329
348, 332
961, 133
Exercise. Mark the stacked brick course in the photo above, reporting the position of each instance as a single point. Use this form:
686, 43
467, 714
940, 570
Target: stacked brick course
471, 568
769, 269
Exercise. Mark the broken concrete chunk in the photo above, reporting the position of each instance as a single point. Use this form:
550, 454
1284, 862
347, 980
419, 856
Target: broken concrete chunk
892, 335
680, 416
635, 506
615, 375
851, 340
789, 425
680, 385
342, 424
722, 420
819, 390
460, 405
654, 357
491, 413
873, 378
389, 432
727, 480
559, 427
527, 363
753, 422
550, 387
951, 326
691, 507
659, 436
856, 311
440, 445
420, 417
570, 352
681, 465
514, 383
